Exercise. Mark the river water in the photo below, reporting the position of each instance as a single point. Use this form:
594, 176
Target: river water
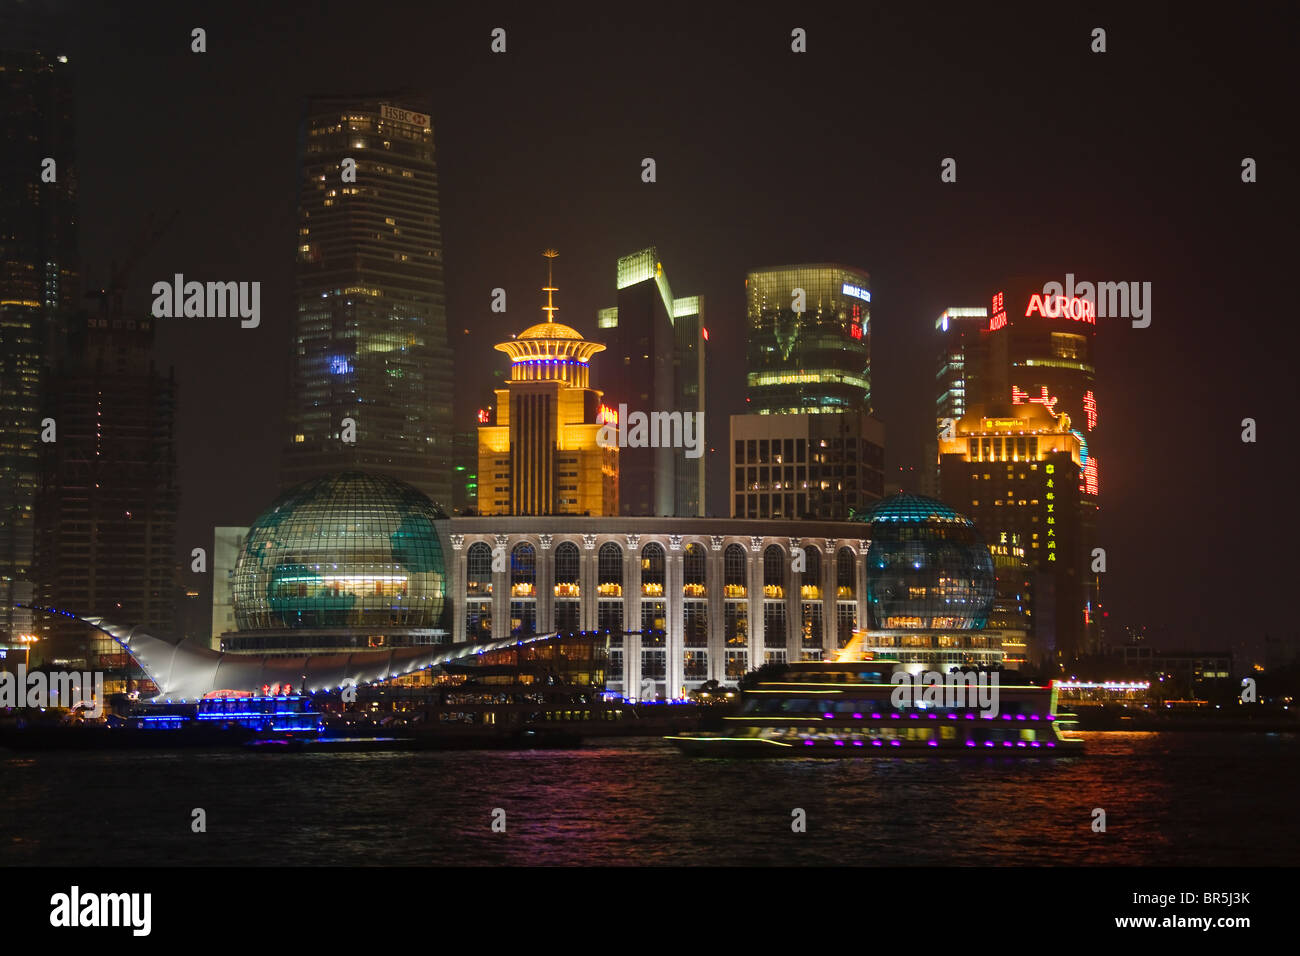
1170, 799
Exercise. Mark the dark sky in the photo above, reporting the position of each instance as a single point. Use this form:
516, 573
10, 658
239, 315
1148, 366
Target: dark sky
1120, 166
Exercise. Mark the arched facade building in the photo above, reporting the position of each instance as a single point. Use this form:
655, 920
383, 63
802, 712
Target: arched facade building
684, 600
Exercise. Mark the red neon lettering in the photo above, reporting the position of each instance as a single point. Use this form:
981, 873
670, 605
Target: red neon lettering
1059, 306
998, 313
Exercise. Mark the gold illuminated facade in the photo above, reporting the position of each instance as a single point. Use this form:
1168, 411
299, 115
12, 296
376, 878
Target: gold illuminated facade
542, 456
1017, 470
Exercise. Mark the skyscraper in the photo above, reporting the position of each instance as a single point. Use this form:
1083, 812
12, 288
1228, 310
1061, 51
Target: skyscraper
1015, 470
1033, 349
370, 330
809, 340
809, 446
38, 289
963, 360
543, 456
108, 499
959, 377
655, 363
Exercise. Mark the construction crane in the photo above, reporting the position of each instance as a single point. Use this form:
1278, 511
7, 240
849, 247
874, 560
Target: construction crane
111, 295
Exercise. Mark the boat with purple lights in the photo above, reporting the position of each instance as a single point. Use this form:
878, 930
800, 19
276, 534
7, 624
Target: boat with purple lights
847, 709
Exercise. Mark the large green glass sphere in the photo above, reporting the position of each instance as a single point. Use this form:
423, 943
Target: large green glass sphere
349, 550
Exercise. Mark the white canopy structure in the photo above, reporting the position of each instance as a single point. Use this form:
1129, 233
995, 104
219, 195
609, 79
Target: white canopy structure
187, 671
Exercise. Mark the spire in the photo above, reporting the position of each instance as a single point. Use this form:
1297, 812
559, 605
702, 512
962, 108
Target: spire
550, 308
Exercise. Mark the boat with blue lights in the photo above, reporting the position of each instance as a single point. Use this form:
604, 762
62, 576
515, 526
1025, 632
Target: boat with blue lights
222, 719
846, 709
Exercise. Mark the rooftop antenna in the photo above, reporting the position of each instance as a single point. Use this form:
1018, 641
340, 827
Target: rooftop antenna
550, 308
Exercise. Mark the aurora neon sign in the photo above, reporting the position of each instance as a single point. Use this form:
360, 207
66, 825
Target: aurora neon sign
1047, 306
1062, 307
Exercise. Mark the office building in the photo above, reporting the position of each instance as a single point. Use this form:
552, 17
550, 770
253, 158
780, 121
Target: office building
809, 348
1015, 469
38, 290
807, 446
827, 467
543, 455
370, 328
655, 363
108, 498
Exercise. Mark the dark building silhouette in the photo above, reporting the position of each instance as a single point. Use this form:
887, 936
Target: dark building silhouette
108, 494
38, 288
654, 363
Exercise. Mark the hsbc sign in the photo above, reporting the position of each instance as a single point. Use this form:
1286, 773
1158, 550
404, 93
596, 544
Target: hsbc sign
404, 116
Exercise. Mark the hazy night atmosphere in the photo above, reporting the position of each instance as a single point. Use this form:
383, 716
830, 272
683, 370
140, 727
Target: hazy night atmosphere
912, 167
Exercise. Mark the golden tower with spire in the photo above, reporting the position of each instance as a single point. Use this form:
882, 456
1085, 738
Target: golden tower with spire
541, 456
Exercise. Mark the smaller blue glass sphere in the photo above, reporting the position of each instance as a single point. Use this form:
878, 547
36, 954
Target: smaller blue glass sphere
927, 567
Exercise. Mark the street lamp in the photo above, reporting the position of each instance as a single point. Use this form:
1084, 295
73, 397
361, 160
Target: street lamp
27, 640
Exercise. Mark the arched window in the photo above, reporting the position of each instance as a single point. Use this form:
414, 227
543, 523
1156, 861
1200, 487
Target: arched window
845, 573
733, 570
609, 570
773, 571
846, 611
566, 563
478, 570
652, 570
812, 574
693, 571
523, 569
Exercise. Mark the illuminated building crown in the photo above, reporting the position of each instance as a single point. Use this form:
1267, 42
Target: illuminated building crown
550, 351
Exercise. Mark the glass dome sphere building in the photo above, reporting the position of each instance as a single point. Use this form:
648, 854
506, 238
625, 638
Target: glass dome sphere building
927, 567
353, 553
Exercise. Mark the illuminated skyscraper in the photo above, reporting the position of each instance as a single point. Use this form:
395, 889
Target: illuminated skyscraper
1015, 469
655, 364
963, 358
38, 289
542, 456
808, 446
370, 332
809, 354
959, 378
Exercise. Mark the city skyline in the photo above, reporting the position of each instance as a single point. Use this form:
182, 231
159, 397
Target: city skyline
918, 245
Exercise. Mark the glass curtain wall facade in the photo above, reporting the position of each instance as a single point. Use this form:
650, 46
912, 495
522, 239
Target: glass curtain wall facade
817, 360
370, 329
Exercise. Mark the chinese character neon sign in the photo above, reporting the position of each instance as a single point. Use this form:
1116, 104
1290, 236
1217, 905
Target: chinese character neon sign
1090, 409
999, 314
1019, 397
482, 416
606, 415
1089, 484
1062, 307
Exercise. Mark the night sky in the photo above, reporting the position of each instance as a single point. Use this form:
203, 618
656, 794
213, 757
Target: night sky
1117, 166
